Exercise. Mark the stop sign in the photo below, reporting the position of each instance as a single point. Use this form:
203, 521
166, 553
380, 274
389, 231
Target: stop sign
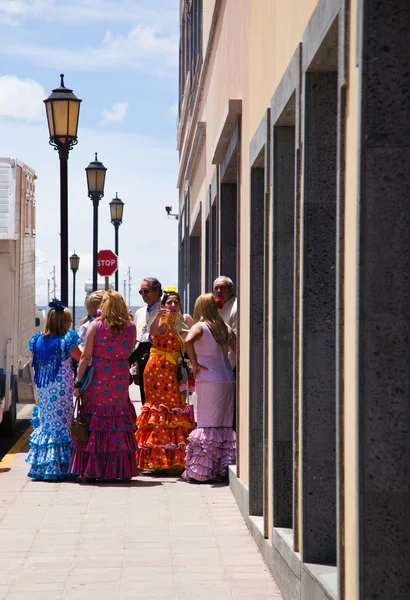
107, 263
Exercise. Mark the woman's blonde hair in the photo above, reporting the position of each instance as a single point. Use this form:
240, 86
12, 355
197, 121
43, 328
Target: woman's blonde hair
92, 304
114, 311
58, 321
206, 311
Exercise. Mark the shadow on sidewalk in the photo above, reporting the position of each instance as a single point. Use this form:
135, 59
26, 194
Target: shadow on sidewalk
132, 483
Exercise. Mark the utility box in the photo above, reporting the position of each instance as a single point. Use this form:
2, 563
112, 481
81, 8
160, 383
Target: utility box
17, 277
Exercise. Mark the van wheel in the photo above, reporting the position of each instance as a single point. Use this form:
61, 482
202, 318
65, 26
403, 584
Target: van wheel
9, 419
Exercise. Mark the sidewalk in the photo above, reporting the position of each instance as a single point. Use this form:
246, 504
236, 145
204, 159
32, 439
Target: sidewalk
154, 537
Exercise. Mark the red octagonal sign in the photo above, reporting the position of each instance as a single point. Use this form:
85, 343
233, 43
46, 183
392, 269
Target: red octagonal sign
107, 263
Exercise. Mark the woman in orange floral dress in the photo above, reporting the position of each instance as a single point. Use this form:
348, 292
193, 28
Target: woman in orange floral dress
164, 423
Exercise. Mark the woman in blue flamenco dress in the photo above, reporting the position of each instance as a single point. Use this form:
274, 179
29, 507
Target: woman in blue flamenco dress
50, 443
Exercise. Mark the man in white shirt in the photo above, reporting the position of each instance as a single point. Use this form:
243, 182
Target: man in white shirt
151, 292
224, 289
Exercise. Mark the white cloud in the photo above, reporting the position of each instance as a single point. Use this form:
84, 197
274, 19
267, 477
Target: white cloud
84, 12
21, 98
12, 12
116, 114
132, 50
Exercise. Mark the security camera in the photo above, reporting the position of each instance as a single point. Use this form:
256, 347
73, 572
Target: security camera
170, 214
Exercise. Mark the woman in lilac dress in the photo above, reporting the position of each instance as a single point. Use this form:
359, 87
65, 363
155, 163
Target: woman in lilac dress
109, 453
212, 446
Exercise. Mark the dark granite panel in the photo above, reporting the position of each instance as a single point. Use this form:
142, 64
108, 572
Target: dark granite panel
319, 267
384, 318
386, 179
284, 179
385, 541
387, 74
388, 468
319, 320
257, 328
321, 137
319, 512
194, 272
282, 486
385, 374
282, 310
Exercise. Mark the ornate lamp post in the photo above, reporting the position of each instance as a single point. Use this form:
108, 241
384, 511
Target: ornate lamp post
63, 110
74, 264
116, 209
95, 183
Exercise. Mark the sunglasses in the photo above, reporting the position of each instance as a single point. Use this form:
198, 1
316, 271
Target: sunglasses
145, 292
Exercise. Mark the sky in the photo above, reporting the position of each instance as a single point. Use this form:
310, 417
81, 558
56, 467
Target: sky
121, 58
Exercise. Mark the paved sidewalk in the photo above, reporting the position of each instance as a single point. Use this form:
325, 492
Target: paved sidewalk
154, 537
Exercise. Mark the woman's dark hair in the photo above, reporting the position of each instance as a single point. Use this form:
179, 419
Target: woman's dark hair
155, 284
167, 295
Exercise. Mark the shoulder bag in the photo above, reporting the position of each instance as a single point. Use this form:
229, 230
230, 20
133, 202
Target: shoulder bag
79, 428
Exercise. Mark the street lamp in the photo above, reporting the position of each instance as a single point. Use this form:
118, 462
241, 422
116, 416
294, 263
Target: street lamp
74, 264
116, 209
95, 183
63, 110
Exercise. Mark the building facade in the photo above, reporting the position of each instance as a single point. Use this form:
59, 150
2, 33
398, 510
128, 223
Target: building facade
294, 181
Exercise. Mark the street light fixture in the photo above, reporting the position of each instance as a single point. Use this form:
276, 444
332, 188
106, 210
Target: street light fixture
116, 209
74, 265
63, 110
95, 182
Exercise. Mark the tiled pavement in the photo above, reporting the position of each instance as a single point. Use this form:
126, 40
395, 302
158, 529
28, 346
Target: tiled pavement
154, 537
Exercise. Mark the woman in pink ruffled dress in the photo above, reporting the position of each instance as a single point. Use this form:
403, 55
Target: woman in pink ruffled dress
109, 453
212, 445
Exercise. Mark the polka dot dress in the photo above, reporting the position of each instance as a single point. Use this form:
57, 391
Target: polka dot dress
164, 422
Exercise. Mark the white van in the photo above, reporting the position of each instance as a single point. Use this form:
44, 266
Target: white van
17, 275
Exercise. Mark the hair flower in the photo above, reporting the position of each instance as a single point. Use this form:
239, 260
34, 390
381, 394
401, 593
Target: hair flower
219, 302
56, 304
99, 312
170, 290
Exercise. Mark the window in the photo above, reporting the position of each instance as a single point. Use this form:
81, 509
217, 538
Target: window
190, 49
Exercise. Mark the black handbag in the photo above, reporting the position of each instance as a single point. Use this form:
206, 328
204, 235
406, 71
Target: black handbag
182, 364
140, 354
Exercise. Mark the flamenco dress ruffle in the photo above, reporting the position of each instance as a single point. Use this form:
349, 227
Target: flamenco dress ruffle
110, 451
50, 451
210, 452
162, 436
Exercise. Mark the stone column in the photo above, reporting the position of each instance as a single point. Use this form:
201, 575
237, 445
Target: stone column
384, 303
318, 320
283, 287
257, 332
